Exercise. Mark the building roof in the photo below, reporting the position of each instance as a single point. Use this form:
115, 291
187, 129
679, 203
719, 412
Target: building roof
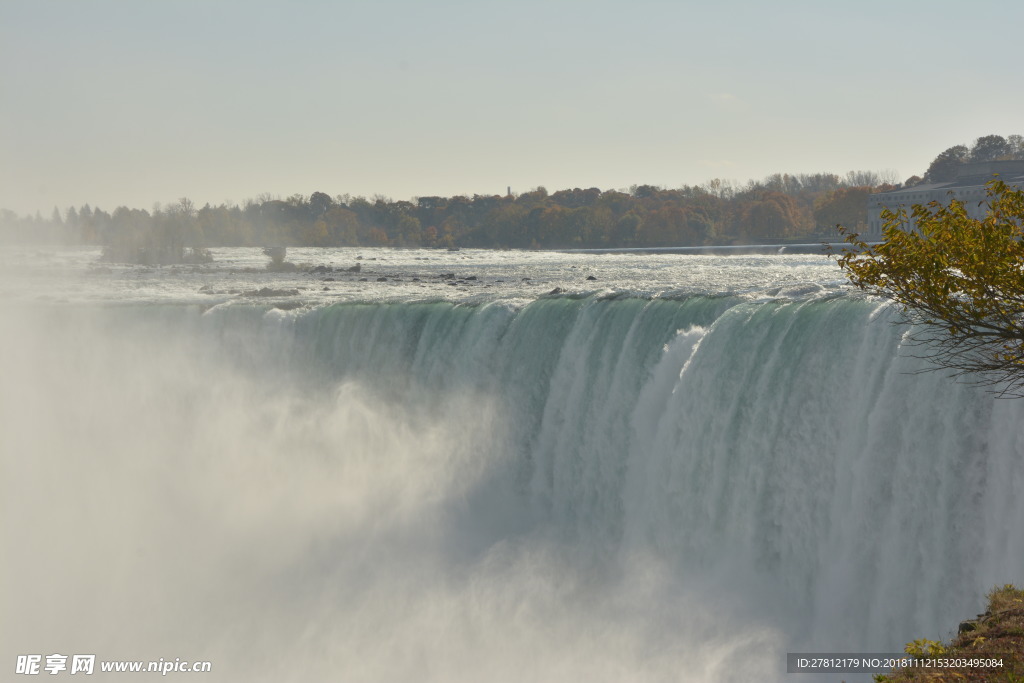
970, 175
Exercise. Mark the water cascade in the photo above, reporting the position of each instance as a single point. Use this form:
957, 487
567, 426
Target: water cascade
600, 488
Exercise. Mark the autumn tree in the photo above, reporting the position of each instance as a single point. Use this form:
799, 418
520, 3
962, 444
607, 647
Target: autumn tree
958, 280
666, 226
844, 206
342, 227
773, 214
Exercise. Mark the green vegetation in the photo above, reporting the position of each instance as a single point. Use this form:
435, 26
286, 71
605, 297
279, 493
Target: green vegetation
997, 634
959, 280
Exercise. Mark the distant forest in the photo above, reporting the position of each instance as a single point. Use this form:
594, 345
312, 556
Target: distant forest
781, 207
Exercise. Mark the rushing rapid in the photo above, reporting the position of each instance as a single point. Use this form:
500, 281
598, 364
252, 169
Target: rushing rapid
634, 482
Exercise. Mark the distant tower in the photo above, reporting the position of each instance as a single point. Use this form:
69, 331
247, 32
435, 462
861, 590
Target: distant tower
509, 193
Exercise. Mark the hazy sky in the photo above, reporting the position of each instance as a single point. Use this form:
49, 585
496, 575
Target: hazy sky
128, 102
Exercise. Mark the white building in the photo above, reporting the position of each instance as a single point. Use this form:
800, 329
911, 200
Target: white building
968, 187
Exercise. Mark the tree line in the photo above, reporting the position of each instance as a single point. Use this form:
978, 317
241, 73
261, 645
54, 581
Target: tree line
987, 148
719, 212
781, 207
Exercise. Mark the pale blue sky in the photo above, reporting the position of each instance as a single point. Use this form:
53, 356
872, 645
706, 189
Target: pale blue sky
132, 102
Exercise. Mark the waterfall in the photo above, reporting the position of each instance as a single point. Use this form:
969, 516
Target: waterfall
599, 487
